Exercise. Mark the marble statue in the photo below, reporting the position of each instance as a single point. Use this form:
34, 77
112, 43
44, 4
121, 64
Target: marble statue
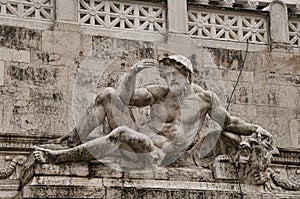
177, 113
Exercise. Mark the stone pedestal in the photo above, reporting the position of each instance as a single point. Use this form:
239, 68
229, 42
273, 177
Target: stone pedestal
91, 180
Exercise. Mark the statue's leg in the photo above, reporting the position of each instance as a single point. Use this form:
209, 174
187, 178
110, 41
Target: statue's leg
117, 112
108, 105
120, 138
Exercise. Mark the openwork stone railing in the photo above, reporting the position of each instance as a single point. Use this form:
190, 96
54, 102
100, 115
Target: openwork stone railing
121, 15
28, 9
294, 32
187, 17
230, 27
248, 4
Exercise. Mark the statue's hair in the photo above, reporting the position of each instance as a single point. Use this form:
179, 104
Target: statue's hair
178, 66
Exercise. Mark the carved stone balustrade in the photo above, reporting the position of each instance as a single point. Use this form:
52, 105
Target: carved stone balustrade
293, 5
28, 9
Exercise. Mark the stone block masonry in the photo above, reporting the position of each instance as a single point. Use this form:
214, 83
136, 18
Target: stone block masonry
55, 57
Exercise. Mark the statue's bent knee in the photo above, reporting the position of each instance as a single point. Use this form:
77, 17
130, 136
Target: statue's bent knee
106, 94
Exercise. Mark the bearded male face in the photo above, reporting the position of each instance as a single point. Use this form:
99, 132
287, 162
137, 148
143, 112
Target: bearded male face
176, 81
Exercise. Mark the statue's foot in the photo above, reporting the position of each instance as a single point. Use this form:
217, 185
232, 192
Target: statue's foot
139, 142
44, 155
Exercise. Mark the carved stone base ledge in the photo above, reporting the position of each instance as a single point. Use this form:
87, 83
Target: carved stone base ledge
281, 47
90, 180
8, 188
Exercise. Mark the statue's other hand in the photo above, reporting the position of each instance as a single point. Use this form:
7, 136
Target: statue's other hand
143, 64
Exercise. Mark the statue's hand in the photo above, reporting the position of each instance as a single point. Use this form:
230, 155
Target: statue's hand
143, 64
263, 135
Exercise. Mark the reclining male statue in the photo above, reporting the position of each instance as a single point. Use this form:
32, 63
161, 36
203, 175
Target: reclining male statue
177, 114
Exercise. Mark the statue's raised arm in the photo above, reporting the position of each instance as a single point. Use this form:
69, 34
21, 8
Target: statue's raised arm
127, 86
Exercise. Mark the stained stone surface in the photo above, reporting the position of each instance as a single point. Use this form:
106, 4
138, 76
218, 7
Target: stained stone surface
20, 38
97, 181
48, 77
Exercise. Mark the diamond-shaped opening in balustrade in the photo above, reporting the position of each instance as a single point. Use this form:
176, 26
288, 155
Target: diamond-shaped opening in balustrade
204, 17
117, 25
155, 10
205, 32
27, 8
246, 22
260, 37
12, 9
88, 21
31, 14
99, 20
129, 10
115, 8
161, 15
233, 21
246, 35
44, 14
143, 24
144, 11
47, 3
129, 23
233, 35
220, 19
101, 9
220, 32
97, 3
293, 39
47, 11
82, 16
260, 24
83, 5
88, 2
159, 24
292, 27
192, 29
192, 17
113, 20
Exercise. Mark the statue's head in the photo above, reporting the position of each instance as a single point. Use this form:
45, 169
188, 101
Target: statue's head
179, 62
177, 70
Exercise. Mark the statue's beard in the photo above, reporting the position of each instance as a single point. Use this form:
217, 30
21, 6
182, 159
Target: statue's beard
178, 89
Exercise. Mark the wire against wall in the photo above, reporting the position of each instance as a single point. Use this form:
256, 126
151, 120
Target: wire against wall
227, 108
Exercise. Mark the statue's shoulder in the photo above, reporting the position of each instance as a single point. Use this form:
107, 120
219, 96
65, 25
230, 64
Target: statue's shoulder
202, 93
157, 91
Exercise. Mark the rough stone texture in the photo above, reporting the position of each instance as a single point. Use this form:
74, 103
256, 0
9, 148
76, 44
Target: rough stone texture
20, 38
66, 42
261, 95
50, 183
50, 76
7, 54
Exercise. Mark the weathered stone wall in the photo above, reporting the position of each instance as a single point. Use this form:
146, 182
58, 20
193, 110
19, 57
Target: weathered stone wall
47, 74
50, 73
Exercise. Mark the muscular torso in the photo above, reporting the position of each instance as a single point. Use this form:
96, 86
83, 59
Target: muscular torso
178, 120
